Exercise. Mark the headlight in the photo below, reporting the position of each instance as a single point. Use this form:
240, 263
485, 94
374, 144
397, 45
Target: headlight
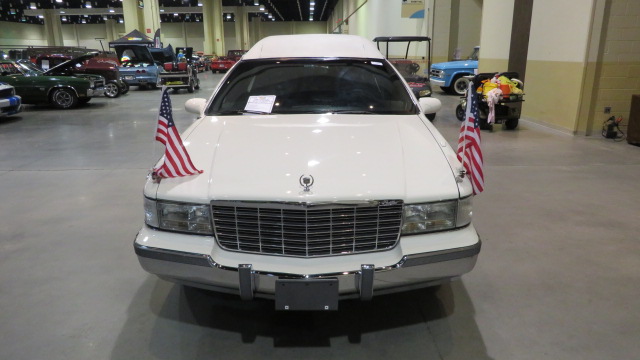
437, 216
191, 218
424, 93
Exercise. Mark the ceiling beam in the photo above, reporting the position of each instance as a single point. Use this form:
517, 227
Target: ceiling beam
118, 11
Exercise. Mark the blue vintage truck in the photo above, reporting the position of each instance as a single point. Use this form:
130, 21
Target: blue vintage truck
450, 75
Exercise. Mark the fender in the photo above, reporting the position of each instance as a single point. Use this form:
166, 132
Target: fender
61, 87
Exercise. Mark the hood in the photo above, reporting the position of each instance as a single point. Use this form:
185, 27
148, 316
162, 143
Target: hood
70, 65
458, 64
350, 157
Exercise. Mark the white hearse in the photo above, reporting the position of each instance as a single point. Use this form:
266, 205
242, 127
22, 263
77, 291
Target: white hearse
323, 180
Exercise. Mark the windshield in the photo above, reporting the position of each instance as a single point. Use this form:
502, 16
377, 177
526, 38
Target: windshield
474, 54
306, 86
29, 69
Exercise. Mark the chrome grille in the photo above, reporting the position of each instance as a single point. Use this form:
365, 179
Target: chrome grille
436, 73
306, 230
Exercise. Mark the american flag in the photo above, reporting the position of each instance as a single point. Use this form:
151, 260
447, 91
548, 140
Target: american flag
176, 159
469, 151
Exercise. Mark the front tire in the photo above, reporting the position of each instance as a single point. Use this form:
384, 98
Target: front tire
460, 112
459, 85
111, 90
511, 124
125, 88
191, 88
64, 98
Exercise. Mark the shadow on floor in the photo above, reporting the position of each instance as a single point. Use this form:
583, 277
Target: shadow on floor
168, 321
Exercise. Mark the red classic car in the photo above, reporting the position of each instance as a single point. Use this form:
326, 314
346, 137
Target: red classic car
224, 63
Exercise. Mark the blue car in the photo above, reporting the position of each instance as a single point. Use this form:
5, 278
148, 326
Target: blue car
450, 75
138, 67
10, 103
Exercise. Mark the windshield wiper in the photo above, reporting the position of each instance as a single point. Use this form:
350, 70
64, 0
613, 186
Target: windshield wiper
242, 112
353, 112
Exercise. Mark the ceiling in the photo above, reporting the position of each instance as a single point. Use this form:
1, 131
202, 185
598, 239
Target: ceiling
280, 10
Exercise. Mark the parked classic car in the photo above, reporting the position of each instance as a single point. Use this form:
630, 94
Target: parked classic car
138, 68
34, 87
10, 103
450, 76
224, 63
322, 179
86, 65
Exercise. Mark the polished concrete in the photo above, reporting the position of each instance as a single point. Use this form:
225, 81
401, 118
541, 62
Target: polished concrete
558, 276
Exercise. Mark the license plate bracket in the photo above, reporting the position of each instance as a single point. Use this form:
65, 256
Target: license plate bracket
307, 294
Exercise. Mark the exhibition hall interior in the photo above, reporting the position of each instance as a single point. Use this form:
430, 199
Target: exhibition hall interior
319, 179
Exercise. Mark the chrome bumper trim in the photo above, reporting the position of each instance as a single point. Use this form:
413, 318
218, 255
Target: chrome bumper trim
437, 82
406, 261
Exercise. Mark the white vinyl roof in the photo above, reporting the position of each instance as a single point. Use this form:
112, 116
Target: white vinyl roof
314, 46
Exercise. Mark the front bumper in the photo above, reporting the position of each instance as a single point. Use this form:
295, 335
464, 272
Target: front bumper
437, 82
140, 79
95, 92
358, 275
11, 105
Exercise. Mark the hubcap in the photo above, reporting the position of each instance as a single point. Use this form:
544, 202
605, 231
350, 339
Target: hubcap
461, 85
111, 90
63, 98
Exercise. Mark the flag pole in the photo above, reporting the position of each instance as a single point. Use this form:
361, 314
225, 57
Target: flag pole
464, 124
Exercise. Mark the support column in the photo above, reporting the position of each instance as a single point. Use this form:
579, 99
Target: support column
242, 28
53, 28
132, 16
213, 29
151, 16
111, 30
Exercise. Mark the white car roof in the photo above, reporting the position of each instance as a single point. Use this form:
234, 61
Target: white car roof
314, 46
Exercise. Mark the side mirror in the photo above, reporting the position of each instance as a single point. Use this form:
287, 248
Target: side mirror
195, 106
429, 105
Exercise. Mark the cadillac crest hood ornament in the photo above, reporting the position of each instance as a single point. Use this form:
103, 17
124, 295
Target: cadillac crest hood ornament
306, 181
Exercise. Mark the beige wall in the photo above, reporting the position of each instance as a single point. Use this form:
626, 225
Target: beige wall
469, 25
495, 35
556, 62
22, 34
618, 75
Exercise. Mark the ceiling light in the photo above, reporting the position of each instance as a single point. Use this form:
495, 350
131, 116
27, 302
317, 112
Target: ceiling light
58, 1
256, 2
40, 16
121, 21
312, 3
88, 5
199, 3
111, 10
84, 21
62, 12
64, 18
33, 6
261, 7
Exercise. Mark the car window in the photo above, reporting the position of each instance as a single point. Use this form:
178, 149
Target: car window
315, 86
9, 69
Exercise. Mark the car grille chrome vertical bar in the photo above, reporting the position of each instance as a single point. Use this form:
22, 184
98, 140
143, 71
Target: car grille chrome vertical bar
307, 230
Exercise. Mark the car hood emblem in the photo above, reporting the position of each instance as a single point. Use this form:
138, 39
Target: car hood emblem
306, 181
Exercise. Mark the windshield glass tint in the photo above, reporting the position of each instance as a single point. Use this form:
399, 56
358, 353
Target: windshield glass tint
315, 86
29, 69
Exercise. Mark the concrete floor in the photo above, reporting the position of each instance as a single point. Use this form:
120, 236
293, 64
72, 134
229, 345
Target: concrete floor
558, 276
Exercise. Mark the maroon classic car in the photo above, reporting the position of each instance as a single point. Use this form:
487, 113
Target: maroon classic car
224, 63
90, 63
